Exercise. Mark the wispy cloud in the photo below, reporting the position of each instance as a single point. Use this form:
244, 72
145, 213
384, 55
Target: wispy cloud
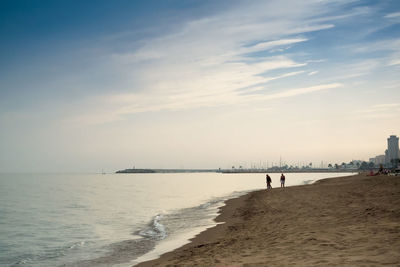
394, 60
392, 44
146, 103
378, 111
301, 91
207, 62
312, 73
262, 87
393, 15
355, 69
272, 44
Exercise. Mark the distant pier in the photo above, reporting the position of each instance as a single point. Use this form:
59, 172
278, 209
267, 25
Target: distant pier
271, 170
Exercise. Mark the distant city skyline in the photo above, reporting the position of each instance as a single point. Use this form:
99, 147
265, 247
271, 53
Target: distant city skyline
88, 86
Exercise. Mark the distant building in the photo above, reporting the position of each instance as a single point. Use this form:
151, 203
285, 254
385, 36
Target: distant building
392, 152
378, 160
387, 156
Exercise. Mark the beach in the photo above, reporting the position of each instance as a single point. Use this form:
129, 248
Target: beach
350, 221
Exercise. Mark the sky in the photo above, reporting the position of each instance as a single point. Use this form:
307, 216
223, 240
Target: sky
87, 86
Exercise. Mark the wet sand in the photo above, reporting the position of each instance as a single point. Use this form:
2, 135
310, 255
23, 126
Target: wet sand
350, 221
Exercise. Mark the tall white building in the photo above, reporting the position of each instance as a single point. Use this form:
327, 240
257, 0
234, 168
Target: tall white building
378, 160
392, 151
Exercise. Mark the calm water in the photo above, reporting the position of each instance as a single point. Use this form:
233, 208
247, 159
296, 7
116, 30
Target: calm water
118, 219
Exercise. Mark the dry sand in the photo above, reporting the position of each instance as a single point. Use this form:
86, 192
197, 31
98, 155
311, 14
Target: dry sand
347, 221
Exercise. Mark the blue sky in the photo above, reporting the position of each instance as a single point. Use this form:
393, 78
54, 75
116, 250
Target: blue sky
87, 86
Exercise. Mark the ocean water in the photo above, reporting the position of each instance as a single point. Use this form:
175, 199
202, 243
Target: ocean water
113, 219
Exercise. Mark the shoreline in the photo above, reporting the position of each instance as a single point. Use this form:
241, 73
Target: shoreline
346, 220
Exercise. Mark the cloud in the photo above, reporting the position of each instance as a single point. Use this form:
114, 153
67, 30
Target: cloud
206, 62
145, 103
392, 15
394, 84
312, 73
316, 60
301, 91
345, 15
389, 44
377, 111
271, 44
391, 47
354, 70
394, 60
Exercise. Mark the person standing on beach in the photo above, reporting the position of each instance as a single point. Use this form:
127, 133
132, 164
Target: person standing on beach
269, 181
283, 180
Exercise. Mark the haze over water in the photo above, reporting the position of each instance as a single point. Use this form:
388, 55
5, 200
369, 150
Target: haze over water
87, 219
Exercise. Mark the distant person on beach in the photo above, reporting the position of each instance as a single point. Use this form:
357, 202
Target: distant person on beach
282, 180
269, 181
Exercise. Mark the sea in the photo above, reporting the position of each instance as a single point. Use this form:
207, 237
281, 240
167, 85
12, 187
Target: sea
114, 219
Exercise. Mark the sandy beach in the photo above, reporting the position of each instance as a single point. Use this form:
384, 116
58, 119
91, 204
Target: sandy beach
347, 221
